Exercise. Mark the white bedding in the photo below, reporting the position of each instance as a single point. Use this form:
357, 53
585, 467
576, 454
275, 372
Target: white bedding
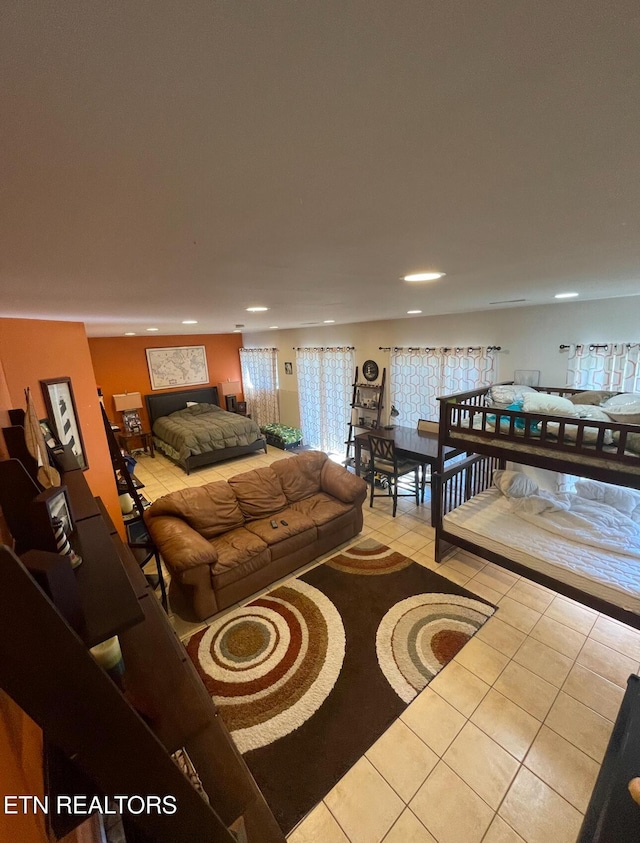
580, 520
488, 520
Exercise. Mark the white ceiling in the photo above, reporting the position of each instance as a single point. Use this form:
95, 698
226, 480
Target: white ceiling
164, 161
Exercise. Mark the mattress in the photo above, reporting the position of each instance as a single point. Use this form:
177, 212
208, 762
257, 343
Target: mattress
487, 520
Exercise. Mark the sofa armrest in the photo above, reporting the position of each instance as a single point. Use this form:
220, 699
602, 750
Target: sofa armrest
335, 480
180, 545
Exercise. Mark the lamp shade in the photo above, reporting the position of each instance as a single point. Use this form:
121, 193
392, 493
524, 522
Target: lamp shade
229, 388
127, 401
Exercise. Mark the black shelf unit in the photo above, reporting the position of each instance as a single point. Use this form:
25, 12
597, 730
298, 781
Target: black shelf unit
367, 404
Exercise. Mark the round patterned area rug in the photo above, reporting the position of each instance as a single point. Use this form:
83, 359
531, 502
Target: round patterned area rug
308, 676
270, 665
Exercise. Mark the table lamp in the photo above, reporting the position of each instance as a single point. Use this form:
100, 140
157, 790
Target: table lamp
128, 402
393, 414
229, 389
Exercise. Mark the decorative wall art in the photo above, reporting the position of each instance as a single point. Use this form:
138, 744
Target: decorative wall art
182, 365
62, 413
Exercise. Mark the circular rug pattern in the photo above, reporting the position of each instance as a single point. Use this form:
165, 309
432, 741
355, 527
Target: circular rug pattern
270, 665
369, 558
419, 635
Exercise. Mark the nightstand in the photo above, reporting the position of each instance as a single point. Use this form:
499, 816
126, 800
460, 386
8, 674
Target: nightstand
125, 438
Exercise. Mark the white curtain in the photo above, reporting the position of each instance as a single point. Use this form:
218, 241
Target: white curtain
419, 375
614, 367
325, 378
260, 383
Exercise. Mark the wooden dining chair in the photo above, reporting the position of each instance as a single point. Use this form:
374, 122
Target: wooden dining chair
384, 461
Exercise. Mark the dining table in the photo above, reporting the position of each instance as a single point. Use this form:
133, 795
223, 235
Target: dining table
410, 443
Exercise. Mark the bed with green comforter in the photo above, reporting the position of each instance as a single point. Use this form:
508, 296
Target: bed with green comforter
204, 434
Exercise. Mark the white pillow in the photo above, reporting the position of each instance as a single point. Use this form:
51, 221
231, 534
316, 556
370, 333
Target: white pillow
503, 394
192, 403
591, 411
514, 484
552, 405
624, 408
550, 481
589, 435
620, 498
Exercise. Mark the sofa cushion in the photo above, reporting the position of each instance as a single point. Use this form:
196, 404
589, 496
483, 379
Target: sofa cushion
285, 539
210, 510
235, 548
300, 476
258, 492
321, 508
297, 522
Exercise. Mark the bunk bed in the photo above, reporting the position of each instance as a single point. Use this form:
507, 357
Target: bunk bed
471, 514
191, 429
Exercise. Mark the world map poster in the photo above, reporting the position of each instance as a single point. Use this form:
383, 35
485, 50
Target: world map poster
182, 365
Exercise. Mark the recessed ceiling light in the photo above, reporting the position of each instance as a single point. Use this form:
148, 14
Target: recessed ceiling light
329, 321
236, 331
130, 334
153, 329
565, 295
413, 311
257, 309
189, 321
273, 327
424, 276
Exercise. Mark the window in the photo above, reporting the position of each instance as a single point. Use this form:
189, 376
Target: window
325, 377
260, 383
614, 367
419, 375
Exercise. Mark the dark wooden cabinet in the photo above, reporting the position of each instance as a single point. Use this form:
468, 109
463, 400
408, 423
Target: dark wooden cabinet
121, 741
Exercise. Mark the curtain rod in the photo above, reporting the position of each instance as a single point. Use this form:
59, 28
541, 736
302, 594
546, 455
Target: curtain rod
270, 348
324, 348
442, 348
594, 346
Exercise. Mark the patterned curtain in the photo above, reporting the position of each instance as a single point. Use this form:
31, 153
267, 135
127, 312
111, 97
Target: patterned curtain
614, 367
414, 380
260, 383
419, 375
325, 377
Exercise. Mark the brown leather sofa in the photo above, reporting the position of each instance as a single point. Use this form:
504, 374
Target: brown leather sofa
217, 540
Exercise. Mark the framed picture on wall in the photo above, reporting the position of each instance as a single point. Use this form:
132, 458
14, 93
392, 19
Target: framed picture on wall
63, 416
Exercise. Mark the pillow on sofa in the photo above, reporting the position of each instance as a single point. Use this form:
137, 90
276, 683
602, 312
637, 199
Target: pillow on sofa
553, 405
258, 492
210, 510
300, 475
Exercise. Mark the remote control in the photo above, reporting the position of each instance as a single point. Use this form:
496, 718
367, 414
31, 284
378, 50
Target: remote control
284, 523
274, 524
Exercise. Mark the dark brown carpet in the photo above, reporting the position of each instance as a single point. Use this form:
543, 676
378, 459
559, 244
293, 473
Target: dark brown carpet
308, 676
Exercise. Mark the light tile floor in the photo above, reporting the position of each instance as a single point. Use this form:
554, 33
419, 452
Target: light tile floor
505, 744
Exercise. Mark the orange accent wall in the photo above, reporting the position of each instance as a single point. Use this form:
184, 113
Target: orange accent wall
120, 364
21, 765
32, 350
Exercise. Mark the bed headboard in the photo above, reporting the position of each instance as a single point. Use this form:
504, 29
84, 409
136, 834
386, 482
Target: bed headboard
164, 403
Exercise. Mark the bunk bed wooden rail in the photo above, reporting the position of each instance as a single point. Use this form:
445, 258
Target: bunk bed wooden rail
467, 423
